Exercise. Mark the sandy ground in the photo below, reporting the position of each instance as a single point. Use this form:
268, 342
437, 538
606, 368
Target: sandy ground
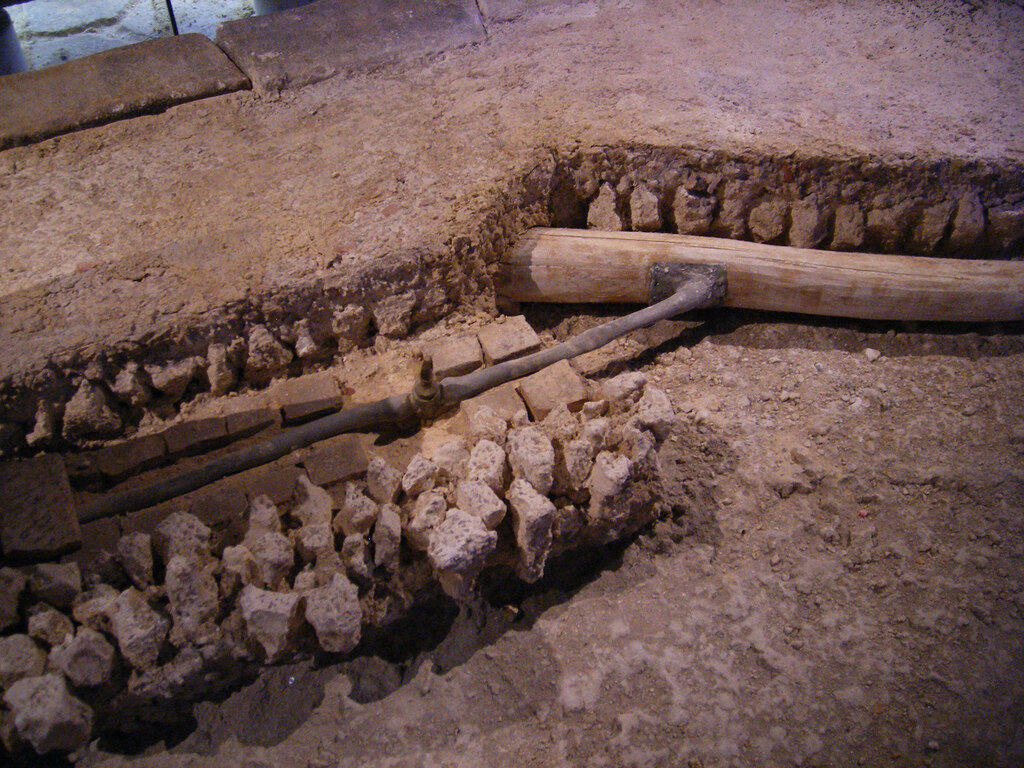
842, 583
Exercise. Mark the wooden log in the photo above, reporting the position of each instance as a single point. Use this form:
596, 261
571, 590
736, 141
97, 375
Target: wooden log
568, 265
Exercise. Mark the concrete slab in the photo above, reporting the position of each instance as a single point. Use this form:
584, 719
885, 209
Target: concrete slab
112, 85
309, 44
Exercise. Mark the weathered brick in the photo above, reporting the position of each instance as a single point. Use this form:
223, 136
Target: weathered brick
195, 436
503, 400
249, 422
277, 482
116, 462
36, 516
506, 340
99, 543
332, 461
456, 356
146, 520
222, 507
309, 396
556, 384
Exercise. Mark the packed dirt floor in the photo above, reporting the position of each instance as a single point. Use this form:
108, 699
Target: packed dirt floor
841, 581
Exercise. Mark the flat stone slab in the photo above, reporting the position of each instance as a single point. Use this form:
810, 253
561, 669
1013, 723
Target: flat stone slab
317, 41
551, 386
504, 400
306, 397
339, 458
456, 356
36, 517
507, 339
112, 85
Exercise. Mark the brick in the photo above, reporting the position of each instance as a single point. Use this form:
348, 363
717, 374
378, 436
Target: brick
547, 388
456, 356
504, 401
222, 507
277, 482
335, 460
506, 340
116, 462
250, 422
195, 436
306, 397
36, 516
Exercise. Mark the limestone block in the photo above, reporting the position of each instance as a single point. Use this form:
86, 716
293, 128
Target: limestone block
181, 533
86, 658
335, 614
654, 412
47, 716
238, 569
455, 356
809, 222
451, 458
271, 619
849, 230
478, 499
357, 514
49, 626
135, 553
693, 214
420, 475
140, 630
314, 505
608, 483
767, 221
532, 457
275, 557
382, 481
193, 602
644, 211
355, 555
603, 211
94, 606
487, 465
485, 424
624, 388
427, 513
508, 339
387, 537
460, 545
313, 540
533, 516
264, 517
968, 223
266, 358
20, 657
56, 583
553, 386
90, 414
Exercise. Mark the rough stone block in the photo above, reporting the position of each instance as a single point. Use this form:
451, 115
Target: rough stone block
767, 222
36, 515
313, 505
335, 614
113, 85
55, 583
276, 482
693, 213
644, 210
809, 222
20, 657
455, 356
47, 715
603, 212
49, 626
140, 631
314, 42
251, 421
222, 508
271, 619
501, 341
195, 436
458, 550
849, 230
552, 386
116, 462
532, 457
503, 401
338, 459
87, 659
12, 584
533, 517
382, 480
968, 223
307, 397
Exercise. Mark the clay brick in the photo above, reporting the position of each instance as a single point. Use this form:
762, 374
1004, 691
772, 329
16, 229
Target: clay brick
503, 400
332, 461
277, 482
558, 383
245, 423
308, 396
116, 462
36, 516
195, 436
456, 356
507, 340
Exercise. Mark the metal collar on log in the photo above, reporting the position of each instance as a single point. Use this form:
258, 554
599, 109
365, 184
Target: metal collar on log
696, 287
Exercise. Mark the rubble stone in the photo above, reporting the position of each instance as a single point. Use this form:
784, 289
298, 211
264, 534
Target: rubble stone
1006, 231
485, 424
358, 512
625, 388
12, 584
271, 619
36, 516
181, 533
767, 221
192, 600
968, 223
313, 540
596, 433
56, 583
737, 197
173, 379
20, 657
533, 516
654, 412
602, 213
220, 371
382, 481
45, 427
94, 606
393, 314
128, 387
427, 513
487, 465
47, 716
350, 325
266, 357
508, 339
572, 467
264, 517
808, 222
275, 557
50, 626
387, 537
561, 425
607, 484
644, 212
637, 444
313, 504
140, 630
305, 580
849, 230
930, 228
451, 458
238, 569
86, 658
460, 546
420, 475
478, 499
335, 614
532, 457
355, 554
135, 553
553, 386
693, 213
89, 414
886, 226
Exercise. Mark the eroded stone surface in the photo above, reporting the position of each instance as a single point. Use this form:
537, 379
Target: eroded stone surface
181, 533
86, 659
382, 481
532, 457
478, 499
271, 619
459, 548
140, 630
420, 475
533, 516
193, 602
335, 614
47, 715
20, 657
487, 465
